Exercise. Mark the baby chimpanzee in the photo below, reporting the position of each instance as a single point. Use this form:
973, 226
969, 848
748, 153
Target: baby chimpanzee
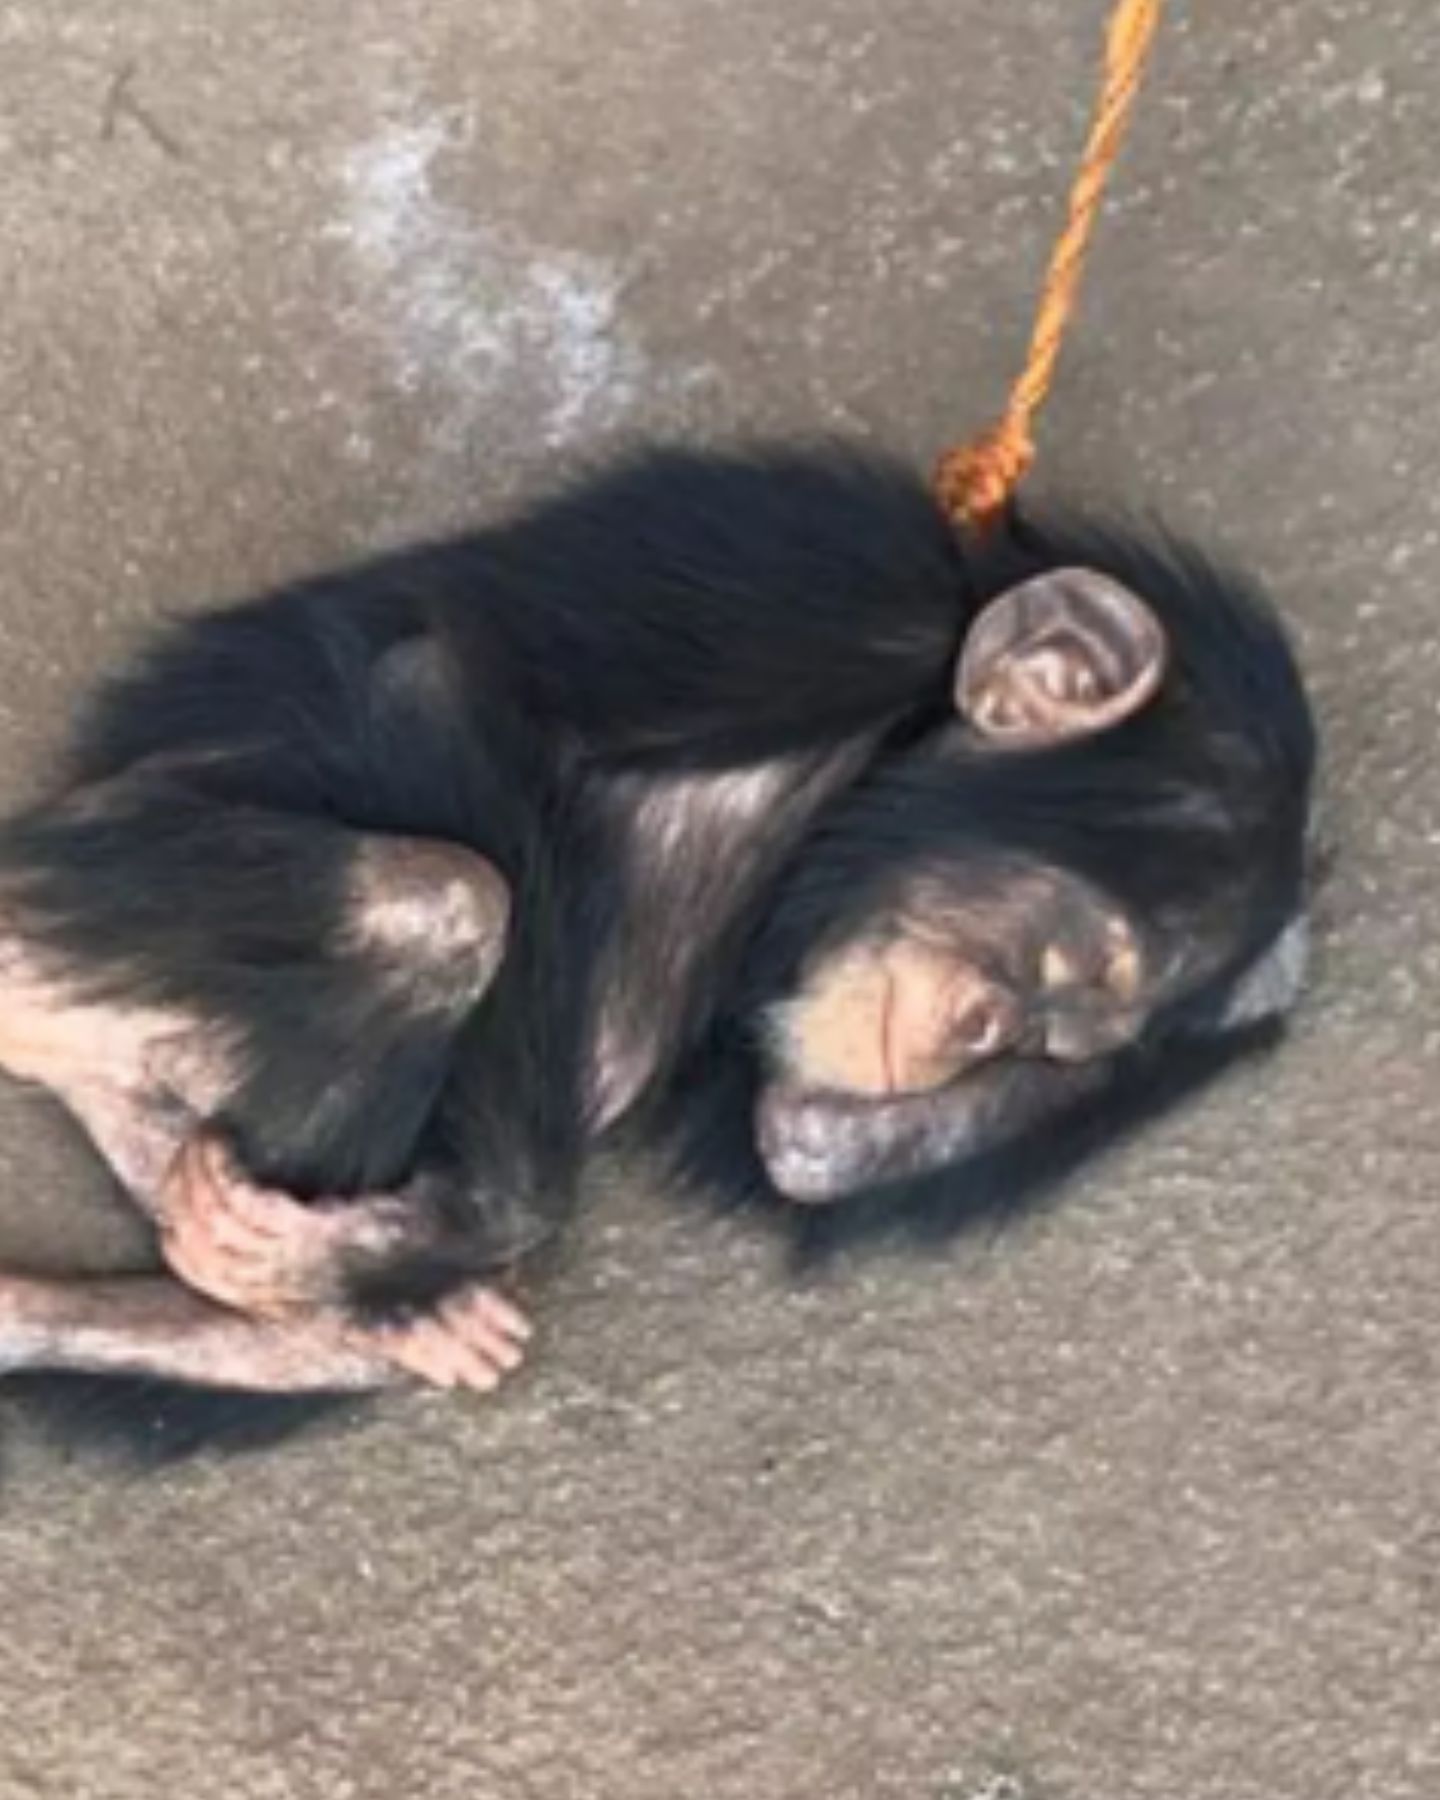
734, 796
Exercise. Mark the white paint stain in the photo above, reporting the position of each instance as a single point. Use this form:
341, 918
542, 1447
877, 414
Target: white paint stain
486, 326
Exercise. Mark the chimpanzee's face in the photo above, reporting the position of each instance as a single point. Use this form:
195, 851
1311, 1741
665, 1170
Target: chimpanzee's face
1000, 958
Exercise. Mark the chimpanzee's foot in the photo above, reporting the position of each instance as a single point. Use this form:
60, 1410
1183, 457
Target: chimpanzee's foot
473, 1340
153, 1325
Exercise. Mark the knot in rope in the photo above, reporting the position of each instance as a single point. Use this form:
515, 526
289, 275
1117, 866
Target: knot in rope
976, 482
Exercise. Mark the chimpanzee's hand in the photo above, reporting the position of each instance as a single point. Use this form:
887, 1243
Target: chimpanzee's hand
258, 1250
261, 1252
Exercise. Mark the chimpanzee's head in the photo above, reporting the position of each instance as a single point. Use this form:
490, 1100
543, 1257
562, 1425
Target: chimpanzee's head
1098, 852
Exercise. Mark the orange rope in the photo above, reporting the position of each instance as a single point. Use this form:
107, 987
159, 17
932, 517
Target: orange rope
975, 482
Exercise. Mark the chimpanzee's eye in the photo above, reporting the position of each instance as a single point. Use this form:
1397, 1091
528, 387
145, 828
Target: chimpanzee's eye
1121, 973
987, 1024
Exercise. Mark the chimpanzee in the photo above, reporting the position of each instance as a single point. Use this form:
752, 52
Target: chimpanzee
735, 796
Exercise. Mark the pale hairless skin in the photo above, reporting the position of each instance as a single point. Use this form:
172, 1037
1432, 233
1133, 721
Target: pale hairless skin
154, 1325
255, 1304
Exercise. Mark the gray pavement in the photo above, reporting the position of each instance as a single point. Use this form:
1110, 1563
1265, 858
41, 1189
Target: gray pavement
1139, 1503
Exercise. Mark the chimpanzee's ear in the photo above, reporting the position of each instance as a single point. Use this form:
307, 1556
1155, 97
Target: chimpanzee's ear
1063, 655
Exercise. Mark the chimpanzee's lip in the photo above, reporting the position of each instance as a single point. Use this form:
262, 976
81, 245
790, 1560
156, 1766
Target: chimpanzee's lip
807, 1135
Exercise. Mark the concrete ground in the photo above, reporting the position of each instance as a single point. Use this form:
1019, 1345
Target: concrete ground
1139, 1503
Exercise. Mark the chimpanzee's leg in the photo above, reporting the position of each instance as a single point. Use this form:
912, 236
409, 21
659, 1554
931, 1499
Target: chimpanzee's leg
152, 1325
319, 1037
415, 935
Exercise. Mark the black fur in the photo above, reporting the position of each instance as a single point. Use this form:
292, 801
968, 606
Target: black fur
1193, 812
684, 613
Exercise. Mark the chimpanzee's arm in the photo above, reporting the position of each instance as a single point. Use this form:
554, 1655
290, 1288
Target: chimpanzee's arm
705, 611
